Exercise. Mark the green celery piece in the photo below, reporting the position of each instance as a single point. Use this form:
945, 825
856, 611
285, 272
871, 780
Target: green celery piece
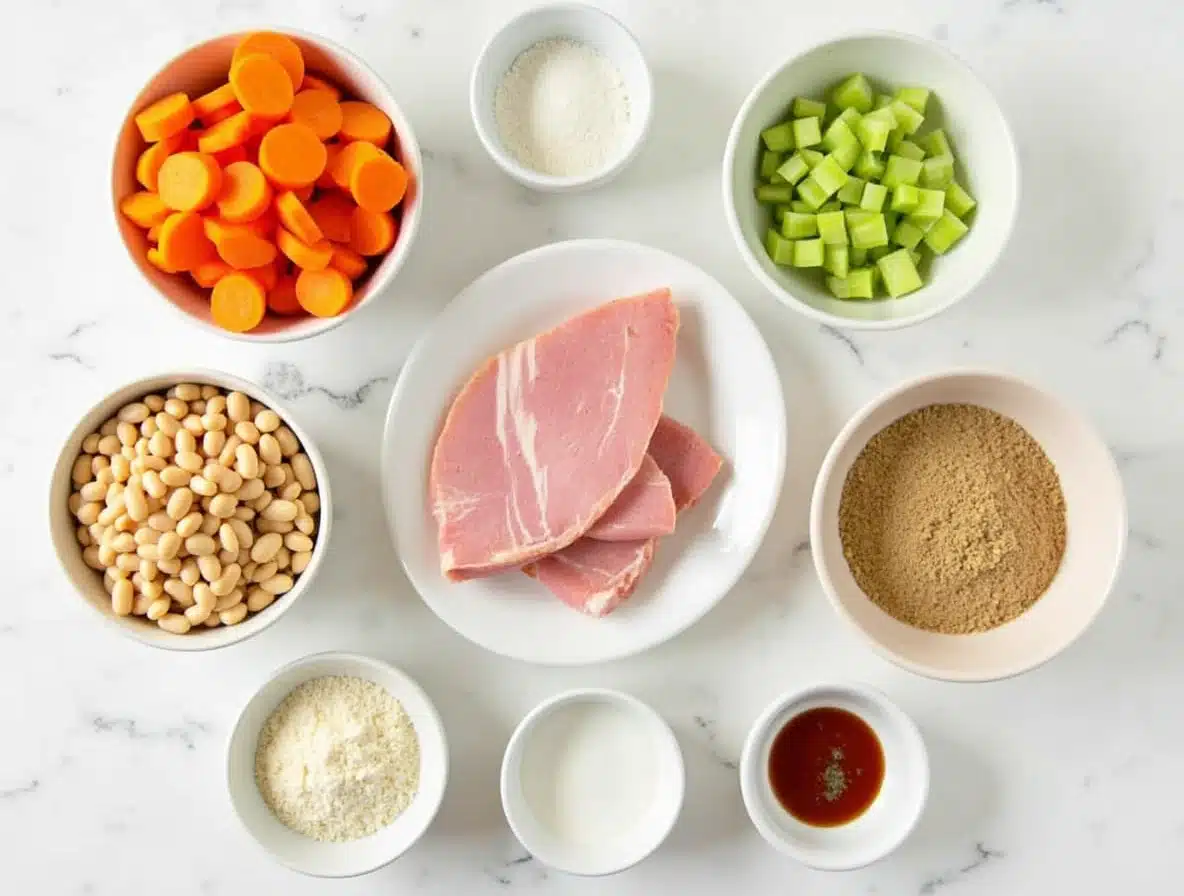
932, 203
870, 233
858, 257
774, 193
905, 198
812, 156
839, 134
869, 166
873, 130
779, 137
779, 213
959, 201
945, 232
779, 248
875, 253
873, 197
847, 155
917, 258
794, 168
812, 193
838, 287
850, 116
838, 260
936, 143
798, 226
890, 219
856, 216
861, 283
907, 234
909, 150
801, 207
883, 101
908, 119
854, 93
832, 228
807, 131
899, 273
895, 138
917, 97
832, 205
809, 254
852, 191
770, 162
804, 107
777, 179
829, 175
937, 172
899, 170
922, 224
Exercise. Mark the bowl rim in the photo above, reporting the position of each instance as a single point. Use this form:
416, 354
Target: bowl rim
361, 661
553, 183
133, 627
512, 754
790, 299
759, 734
826, 474
408, 223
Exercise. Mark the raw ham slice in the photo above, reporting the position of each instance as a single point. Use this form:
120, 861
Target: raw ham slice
596, 577
645, 508
546, 435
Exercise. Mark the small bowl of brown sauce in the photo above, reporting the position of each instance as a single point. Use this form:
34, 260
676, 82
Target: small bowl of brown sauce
835, 776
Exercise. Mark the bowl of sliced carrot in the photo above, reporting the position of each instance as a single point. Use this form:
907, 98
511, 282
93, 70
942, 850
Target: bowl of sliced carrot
267, 184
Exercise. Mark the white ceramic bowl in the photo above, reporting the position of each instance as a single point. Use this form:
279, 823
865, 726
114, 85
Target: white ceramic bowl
884, 825
578, 22
988, 167
1097, 524
89, 583
619, 854
203, 67
354, 857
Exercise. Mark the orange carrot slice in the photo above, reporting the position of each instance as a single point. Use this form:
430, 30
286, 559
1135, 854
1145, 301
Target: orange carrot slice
189, 181
364, 121
325, 181
304, 194
210, 272
215, 101
379, 183
294, 216
281, 298
315, 82
324, 293
232, 131
291, 155
319, 110
220, 115
313, 257
348, 158
154, 233
148, 165
238, 302
371, 233
144, 208
348, 262
245, 195
333, 214
165, 117
261, 86
267, 274
228, 157
278, 46
156, 261
243, 249
183, 243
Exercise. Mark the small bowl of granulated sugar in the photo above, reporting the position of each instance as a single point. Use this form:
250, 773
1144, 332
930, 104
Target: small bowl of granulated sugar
561, 97
337, 765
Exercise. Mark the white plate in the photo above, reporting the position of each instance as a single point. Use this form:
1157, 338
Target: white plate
724, 385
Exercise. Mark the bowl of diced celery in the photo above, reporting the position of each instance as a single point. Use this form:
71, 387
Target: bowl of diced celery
872, 181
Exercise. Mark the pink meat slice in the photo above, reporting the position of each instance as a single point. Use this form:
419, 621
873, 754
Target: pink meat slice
546, 435
596, 577
645, 509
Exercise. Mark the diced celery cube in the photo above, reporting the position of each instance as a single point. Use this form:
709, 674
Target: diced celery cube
804, 107
854, 93
798, 226
838, 287
869, 233
779, 248
875, 253
837, 260
774, 193
907, 234
777, 179
905, 198
832, 229
873, 197
856, 216
947, 231
870, 166
959, 201
850, 116
890, 219
832, 205
779, 213
908, 119
937, 172
895, 138
909, 149
936, 143
916, 256
812, 156
847, 155
922, 224
807, 131
770, 162
861, 283
794, 168
858, 257
812, 193
872, 131
932, 203
899, 273
779, 137
809, 254
829, 175
852, 191
801, 206
899, 170
917, 97
883, 101
838, 134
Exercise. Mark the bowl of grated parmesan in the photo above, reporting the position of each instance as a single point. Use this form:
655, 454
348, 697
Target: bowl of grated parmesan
337, 765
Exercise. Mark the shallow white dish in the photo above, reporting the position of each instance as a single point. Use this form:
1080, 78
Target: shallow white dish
355, 857
988, 166
652, 827
884, 825
724, 385
1094, 505
590, 26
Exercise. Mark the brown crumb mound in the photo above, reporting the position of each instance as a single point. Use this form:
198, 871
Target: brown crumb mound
952, 519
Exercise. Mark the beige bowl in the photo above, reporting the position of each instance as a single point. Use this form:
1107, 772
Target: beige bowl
89, 583
202, 68
1097, 525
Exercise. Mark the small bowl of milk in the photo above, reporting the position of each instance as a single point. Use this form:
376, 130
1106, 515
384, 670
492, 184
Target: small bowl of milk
592, 781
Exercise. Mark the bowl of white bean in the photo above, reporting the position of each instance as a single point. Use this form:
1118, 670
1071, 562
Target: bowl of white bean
190, 510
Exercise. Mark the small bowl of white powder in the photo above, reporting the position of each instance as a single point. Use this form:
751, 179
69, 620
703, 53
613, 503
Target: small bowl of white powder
561, 97
337, 765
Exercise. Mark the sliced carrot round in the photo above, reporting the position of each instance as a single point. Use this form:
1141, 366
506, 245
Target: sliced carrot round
215, 101
371, 233
261, 86
267, 274
243, 250
324, 293
314, 257
189, 181
333, 213
144, 208
294, 216
263, 226
183, 243
348, 262
228, 157
379, 183
348, 158
325, 181
245, 195
210, 272
281, 298
154, 233
279, 47
165, 117
315, 82
238, 302
148, 165
319, 110
231, 132
364, 121
155, 259
291, 155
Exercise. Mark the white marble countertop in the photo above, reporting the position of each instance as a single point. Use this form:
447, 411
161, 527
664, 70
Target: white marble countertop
1066, 780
